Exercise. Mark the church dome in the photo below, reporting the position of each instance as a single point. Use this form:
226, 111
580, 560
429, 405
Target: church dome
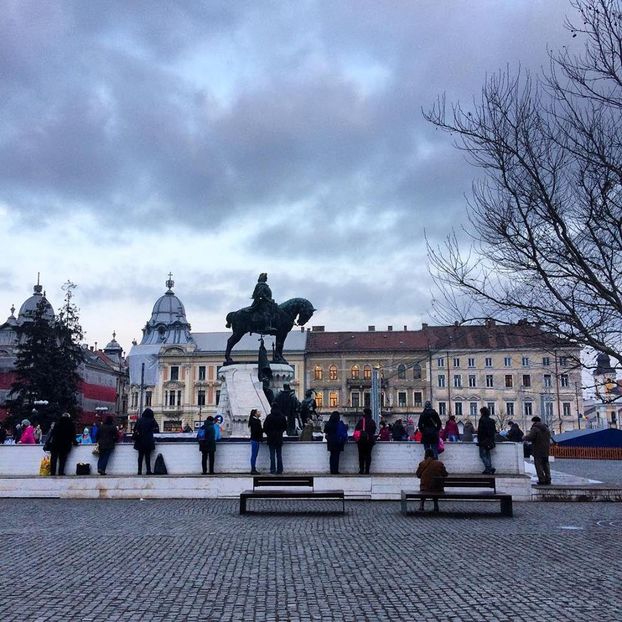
113, 346
28, 309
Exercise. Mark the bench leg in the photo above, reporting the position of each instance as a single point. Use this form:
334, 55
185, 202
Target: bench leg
506, 507
404, 506
242, 505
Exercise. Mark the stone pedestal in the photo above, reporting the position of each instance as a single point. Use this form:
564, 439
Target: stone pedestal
241, 391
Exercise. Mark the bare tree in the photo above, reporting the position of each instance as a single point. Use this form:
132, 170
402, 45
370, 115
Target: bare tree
546, 218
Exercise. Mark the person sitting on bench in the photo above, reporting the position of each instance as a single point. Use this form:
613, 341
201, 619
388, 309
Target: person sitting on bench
431, 471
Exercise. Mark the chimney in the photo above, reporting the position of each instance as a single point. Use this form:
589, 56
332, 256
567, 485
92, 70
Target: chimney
371, 329
389, 328
317, 329
424, 325
405, 327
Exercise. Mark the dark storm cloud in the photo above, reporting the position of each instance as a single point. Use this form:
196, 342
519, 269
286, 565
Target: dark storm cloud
101, 113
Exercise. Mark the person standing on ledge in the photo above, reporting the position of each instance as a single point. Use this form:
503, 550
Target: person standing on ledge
207, 445
144, 442
254, 423
540, 438
429, 425
486, 433
274, 426
365, 435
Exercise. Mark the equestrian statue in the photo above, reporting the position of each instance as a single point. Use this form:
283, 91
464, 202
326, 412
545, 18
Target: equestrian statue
266, 317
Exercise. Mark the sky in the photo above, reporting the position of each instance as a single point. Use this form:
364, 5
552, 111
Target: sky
216, 140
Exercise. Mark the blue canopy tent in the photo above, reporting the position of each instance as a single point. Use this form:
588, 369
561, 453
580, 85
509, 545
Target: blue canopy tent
608, 437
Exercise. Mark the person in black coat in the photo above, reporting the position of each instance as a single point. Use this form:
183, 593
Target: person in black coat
334, 442
367, 427
486, 433
207, 445
144, 442
274, 427
254, 423
430, 425
60, 440
106, 438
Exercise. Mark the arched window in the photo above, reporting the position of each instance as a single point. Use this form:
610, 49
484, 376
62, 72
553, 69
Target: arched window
333, 400
401, 372
367, 372
417, 371
332, 372
355, 372
318, 373
319, 399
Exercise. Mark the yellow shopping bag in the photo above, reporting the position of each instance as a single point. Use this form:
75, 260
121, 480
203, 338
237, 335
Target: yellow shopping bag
44, 466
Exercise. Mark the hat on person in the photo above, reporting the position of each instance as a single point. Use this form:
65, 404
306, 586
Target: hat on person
536, 419
428, 404
25, 422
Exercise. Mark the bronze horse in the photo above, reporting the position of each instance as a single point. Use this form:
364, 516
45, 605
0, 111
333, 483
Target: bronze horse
242, 322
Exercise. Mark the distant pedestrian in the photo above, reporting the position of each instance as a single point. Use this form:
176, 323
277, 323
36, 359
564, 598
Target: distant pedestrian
336, 432
274, 427
28, 434
106, 437
60, 440
207, 445
515, 434
38, 434
254, 423
540, 438
385, 432
144, 441
468, 431
365, 439
452, 434
94, 430
398, 432
431, 472
430, 425
486, 434
307, 431
85, 438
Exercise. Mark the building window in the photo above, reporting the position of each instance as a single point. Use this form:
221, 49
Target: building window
548, 411
367, 372
148, 395
509, 409
171, 398
332, 372
201, 373
527, 409
174, 372
458, 381
546, 361
456, 361
547, 380
332, 399
440, 362
491, 408
507, 361
563, 361
418, 398
472, 381
401, 372
442, 409
490, 381
566, 409
318, 373
526, 380
458, 409
355, 372
355, 399
488, 361
525, 361
200, 397
508, 381
367, 399
471, 362
473, 409
441, 380
564, 380
134, 400
401, 399
417, 371
218, 397
172, 426
319, 399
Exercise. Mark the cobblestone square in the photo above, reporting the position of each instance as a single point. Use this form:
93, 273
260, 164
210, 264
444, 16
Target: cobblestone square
199, 560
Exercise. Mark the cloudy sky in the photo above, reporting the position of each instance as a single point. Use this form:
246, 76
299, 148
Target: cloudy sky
219, 139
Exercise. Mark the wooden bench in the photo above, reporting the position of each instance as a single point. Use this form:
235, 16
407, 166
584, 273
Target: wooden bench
287, 481
458, 481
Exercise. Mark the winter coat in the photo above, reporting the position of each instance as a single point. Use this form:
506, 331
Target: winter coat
429, 470
385, 434
274, 427
486, 433
331, 430
540, 437
307, 432
430, 426
467, 432
63, 436
370, 428
515, 434
28, 436
398, 432
145, 428
208, 442
451, 428
106, 436
254, 423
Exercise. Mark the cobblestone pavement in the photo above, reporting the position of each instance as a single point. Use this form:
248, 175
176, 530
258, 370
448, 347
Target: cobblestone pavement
199, 560
607, 471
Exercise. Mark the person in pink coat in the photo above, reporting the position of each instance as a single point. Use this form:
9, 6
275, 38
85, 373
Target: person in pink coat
452, 433
28, 434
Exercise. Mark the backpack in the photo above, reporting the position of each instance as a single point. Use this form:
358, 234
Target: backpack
201, 434
342, 432
159, 468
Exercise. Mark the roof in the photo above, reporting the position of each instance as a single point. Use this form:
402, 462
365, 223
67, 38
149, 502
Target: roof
464, 337
603, 437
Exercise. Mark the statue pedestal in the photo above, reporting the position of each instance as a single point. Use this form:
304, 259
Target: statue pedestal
241, 391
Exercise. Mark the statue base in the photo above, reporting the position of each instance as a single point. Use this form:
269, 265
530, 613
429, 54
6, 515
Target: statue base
241, 391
